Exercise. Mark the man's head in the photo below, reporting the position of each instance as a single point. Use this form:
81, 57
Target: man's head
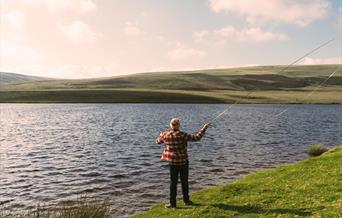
175, 124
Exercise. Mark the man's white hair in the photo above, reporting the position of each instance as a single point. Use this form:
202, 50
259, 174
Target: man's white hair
175, 123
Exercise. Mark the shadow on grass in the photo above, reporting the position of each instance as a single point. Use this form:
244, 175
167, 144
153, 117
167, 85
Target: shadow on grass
193, 204
187, 207
256, 209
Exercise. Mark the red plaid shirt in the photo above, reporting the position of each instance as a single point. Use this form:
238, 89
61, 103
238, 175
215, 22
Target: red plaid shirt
175, 145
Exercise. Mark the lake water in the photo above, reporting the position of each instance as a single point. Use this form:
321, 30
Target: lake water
50, 153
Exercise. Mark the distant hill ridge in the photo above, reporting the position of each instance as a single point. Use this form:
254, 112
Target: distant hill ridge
268, 83
15, 78
246, 78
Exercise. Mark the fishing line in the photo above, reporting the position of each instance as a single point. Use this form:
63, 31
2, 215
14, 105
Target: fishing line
305, 55
314, 90
223, 112
322, 83
280, 71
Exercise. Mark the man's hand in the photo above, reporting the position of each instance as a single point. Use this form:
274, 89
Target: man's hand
206, 126
160, 139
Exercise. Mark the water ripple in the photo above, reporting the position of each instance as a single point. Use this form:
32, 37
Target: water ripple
57, 152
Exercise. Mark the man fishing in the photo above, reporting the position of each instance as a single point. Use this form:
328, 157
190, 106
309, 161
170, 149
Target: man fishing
175, 152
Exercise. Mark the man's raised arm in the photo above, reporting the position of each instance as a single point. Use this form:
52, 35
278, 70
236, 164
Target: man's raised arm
199, 135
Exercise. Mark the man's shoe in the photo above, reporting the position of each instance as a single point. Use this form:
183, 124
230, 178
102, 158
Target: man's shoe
169, 206
187, 203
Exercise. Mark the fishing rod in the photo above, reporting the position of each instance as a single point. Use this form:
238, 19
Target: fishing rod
280, 71
314, 90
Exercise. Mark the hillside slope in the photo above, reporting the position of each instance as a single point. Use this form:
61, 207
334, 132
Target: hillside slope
14, 78
248, 78
264, 84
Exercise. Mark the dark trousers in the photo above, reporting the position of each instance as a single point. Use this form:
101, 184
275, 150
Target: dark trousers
183, 171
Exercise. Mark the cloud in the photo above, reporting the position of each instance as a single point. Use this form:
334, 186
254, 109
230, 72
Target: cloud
14, 19
339, 19
258, 35
55, 5
82, 6
131, 29
228, 33
71, 71
200, 36
300, 13
181, 53
79, 32
74, 71
67, 71
13, 25
313, 61
87, 6
14, 53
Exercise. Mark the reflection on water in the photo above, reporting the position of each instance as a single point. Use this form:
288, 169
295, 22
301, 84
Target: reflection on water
57, 152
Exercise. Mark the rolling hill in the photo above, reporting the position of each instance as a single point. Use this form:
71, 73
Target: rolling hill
14, 78
268, 84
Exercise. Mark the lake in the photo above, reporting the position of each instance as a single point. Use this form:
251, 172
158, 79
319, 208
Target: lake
50, 153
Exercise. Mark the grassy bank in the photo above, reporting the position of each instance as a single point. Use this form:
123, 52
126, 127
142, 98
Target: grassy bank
310, 188
202, 86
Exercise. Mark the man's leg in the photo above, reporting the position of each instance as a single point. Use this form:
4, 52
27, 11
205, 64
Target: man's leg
173, 184
184, 175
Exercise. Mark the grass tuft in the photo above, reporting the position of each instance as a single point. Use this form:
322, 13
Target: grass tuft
316, 150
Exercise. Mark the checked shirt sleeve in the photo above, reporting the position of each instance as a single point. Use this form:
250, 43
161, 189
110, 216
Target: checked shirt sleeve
195, 137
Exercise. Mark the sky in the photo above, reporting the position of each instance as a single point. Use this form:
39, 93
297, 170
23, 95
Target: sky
102, 38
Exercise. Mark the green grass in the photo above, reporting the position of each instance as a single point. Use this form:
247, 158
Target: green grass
203, 86
325, 96
108, 96
310, 188
252, 78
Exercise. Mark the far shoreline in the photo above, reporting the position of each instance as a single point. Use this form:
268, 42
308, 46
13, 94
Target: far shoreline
142, 103
167, 96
